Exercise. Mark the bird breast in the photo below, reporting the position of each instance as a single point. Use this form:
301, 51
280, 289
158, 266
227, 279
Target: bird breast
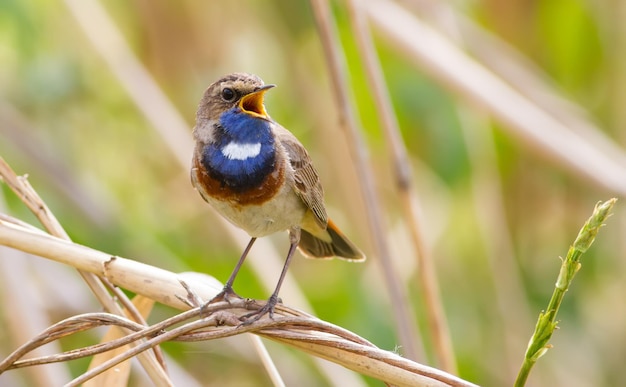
269, 207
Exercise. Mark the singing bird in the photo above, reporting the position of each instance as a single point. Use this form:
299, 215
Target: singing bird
258, 176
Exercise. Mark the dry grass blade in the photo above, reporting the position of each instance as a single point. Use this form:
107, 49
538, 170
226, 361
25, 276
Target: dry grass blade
119, 375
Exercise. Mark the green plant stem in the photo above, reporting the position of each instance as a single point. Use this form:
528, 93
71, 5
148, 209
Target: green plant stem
546, 324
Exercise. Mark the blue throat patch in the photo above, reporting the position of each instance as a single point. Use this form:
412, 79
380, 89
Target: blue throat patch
253, 157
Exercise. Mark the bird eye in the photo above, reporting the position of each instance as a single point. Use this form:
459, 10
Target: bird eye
228, 94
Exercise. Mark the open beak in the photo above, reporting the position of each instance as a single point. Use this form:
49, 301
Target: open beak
253, 103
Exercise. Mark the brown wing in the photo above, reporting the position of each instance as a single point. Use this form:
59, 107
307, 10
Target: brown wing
307, 181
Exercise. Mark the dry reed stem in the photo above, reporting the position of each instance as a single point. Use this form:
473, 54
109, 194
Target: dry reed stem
119, 376
20, 321
512, 308
290, 327
518, 70
402, 310
590, 155
139, 84
150, 361
439, 331
19, 131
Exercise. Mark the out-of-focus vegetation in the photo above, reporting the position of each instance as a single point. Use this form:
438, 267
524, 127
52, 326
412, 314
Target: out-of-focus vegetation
67, 121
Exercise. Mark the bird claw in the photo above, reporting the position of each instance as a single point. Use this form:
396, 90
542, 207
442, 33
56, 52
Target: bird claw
268, 308
225, 295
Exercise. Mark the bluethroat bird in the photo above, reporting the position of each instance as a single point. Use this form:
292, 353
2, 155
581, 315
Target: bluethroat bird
258, 176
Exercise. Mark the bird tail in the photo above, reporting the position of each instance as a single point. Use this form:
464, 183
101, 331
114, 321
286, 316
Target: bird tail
329, 243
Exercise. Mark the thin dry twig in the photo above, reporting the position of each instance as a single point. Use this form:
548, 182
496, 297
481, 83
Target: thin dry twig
223, 320
336, 65
64, 328
427, 281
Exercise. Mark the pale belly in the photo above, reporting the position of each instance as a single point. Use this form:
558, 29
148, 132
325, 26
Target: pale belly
282, 212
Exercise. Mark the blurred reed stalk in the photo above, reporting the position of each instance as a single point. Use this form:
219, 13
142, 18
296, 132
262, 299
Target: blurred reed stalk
571, 142
20, 321
487, 185
439, 331
489, 206
546, 324
348, 121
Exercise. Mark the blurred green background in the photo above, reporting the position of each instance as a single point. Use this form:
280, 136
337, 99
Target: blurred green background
113, 182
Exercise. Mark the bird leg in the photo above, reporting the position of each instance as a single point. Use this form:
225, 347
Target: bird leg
228, 291
294, 238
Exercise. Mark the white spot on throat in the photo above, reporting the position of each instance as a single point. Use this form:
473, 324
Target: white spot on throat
238, 151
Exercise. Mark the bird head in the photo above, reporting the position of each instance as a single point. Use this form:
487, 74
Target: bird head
241, 90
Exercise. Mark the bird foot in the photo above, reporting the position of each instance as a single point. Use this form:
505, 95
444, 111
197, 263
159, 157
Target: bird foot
269, 306
227, 294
